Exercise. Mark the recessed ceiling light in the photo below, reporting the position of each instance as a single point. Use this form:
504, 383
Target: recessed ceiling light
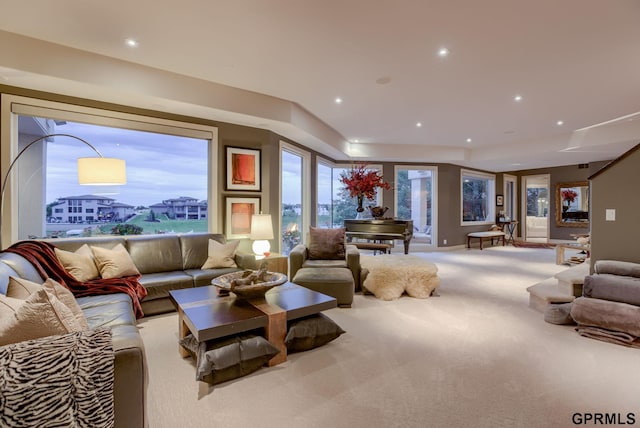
517, 98
516, 164
468, 140
442, 52
338, 100
132, 43
560, 123
419, 124
355, 141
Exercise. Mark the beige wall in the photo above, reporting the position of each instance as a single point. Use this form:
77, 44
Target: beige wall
616, 187
449, 227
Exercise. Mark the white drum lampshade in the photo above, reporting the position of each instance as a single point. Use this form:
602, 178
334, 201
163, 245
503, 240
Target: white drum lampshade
100, 171
261, 232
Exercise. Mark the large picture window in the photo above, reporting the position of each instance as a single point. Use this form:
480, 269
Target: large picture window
168, 186
334, 202
478, 197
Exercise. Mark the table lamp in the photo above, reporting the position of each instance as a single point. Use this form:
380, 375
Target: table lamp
261, 232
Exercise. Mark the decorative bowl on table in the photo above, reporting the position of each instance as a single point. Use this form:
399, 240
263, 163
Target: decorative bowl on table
244, 287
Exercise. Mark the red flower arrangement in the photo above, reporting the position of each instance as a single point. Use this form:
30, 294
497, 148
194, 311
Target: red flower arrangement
360, 181
569, 195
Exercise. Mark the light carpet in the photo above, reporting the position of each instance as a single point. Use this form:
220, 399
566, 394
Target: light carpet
475, 356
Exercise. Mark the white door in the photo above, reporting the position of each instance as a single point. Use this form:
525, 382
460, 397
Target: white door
535, 202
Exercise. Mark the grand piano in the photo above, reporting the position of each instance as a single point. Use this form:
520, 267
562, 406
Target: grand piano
380, 230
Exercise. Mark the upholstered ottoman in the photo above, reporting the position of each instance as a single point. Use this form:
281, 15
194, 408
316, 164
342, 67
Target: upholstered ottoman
334, 282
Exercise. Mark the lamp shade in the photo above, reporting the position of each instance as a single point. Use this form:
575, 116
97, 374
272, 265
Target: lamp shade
101, 171
261, 227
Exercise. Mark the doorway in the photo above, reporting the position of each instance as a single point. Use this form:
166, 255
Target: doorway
535, 200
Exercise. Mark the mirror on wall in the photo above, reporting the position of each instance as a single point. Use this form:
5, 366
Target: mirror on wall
572, 204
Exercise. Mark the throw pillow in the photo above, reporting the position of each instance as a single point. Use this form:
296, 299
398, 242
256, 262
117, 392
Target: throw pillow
20, 288
326, 244
225, 359
42, 314
80, 264
114, 263
221, 255
311, 332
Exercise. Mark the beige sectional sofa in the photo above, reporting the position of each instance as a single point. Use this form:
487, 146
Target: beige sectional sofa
166, 262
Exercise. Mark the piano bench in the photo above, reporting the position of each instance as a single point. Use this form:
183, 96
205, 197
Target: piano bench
375, 246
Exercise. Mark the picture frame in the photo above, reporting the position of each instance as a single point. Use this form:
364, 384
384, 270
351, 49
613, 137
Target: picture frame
499, 200
238, 216
243, 169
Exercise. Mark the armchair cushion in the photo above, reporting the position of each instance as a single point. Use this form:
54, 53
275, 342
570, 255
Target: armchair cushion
326, 244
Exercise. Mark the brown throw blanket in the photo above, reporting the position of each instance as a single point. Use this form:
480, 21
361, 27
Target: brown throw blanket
43, 257
617, 337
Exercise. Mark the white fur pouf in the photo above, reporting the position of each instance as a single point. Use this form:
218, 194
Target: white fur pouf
387, 276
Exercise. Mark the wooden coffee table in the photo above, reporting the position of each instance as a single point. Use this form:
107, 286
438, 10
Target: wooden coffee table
206, 315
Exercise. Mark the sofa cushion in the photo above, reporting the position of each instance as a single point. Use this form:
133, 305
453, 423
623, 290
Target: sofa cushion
107, 310
72, 244
42, 314
12, 264
326, 244
80, 263
114, 263
155, 253
204, 277
324, 264
195, 248
158, 285
21, 289
221, 255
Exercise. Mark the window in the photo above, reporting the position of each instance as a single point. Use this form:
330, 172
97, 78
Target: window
477, 197
334, 203
324, 184
510, 197
294, 196
47, 171
416, 199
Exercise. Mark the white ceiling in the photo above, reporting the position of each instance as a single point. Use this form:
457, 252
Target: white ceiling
572, 60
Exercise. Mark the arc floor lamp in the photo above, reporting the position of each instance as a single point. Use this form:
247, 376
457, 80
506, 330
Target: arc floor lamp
97, 171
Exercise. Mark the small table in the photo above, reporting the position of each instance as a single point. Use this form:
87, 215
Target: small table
275, 263
509, 227
206, 315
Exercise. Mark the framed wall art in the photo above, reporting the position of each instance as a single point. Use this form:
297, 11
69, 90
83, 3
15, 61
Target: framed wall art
499, 200
238, 216
243, 169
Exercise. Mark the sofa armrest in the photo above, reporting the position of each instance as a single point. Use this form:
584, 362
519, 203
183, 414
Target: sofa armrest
353, 262
616, 267
246, 261
297, 257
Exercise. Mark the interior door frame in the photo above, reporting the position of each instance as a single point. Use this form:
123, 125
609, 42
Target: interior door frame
523, 202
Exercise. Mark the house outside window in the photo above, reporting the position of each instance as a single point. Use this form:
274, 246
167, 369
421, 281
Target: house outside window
477, 198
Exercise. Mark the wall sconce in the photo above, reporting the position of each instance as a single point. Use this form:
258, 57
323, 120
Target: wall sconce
261, 232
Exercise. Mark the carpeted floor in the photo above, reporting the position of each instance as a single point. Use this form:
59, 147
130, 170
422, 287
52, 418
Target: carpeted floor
474, 356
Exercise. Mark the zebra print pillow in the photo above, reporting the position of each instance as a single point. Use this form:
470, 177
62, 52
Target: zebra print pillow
64, 380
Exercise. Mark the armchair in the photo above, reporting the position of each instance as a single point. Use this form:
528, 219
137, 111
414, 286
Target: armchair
326, 264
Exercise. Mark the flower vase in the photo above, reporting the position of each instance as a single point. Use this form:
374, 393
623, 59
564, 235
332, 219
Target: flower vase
360, 201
